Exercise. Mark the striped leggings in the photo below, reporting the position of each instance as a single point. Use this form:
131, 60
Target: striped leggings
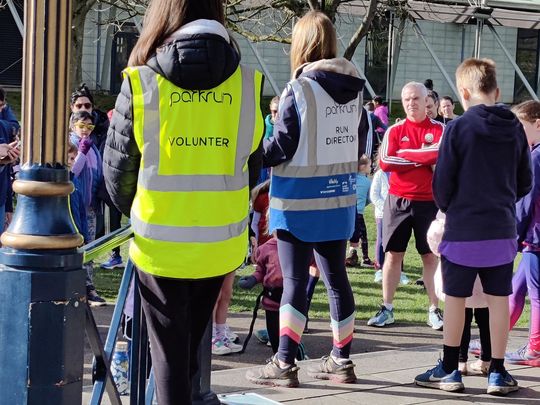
295, 257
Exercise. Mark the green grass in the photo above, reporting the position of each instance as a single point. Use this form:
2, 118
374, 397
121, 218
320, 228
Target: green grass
411, 301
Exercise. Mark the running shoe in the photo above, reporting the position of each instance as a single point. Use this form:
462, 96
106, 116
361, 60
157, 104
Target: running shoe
273, 375
435, 319
501, 383
524, 356
438, 378
329, 369
384, 317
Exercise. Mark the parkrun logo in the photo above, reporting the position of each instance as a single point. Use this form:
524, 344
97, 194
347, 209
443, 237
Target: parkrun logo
340, 109
199, 96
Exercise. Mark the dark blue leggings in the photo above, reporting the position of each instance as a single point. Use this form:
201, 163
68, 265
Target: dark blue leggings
295, 257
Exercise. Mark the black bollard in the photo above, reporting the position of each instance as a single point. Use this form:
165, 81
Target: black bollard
201, 391
42, 294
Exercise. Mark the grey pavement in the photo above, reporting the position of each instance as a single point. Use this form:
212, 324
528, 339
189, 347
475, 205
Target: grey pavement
387, 360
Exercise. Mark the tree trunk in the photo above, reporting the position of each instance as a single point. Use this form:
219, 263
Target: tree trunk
362, 30
79, 13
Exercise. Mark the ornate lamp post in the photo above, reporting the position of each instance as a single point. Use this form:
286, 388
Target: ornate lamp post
42, 291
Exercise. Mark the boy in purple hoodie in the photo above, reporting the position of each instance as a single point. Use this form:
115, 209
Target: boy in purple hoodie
483, 168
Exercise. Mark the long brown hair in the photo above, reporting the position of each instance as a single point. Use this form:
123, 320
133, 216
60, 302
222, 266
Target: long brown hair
164, 17
313, 38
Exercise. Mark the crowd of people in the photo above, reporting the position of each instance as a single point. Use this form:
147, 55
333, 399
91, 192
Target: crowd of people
310, 169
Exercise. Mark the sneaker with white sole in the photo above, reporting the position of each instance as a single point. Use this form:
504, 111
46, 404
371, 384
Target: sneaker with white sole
435, 319
501, 383
93, 298
438, 378
524, 356
384, 317
329, 369
233, 337
272, 374
222, 346
403, 279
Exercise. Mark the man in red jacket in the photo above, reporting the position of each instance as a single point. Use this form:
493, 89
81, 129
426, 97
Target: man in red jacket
409, 151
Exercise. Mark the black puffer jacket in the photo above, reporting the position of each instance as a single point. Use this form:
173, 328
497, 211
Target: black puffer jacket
193, 62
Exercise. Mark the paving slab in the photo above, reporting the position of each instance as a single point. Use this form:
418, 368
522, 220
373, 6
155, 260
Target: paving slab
387, 360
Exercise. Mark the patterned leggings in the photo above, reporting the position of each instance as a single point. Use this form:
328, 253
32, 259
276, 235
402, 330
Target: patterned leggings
295, 257
527, 280
89, 267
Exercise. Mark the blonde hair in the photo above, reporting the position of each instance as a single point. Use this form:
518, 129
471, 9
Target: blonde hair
477, 75
313, 38
164, 17
528, 111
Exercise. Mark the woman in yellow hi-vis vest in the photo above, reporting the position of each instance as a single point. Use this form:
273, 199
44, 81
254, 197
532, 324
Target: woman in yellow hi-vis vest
185, 124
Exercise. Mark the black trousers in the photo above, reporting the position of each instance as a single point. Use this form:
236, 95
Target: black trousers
272, 327
177, 312
360, 234
481, 315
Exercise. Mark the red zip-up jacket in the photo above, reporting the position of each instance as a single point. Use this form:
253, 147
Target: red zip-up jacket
408, 151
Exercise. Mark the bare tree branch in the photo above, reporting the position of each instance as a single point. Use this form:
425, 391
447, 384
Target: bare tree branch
362, 30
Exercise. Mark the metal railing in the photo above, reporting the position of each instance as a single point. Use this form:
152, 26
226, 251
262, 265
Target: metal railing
140, 392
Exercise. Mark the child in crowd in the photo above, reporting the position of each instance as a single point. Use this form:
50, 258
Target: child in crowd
527, 277
363, 184
223, 339
483, 169
259, 226
87, 172
377, 194
9, 153
475, 304
76, 198
269, 132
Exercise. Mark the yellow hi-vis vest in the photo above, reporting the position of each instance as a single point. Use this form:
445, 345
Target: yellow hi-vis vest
190, 212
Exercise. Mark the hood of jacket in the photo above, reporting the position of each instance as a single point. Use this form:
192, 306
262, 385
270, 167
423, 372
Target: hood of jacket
199, 56
338, 77
495, 123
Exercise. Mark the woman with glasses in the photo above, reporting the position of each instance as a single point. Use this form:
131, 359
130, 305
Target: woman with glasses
82, 100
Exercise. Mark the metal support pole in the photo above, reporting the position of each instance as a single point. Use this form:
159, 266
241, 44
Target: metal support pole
397, 48
266, 72
478, 37
513, 62
419, 32
390, 56
41, 276
16, 17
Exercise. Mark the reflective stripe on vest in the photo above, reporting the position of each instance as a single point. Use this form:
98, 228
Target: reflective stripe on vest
181, 206
188, 234
343, 201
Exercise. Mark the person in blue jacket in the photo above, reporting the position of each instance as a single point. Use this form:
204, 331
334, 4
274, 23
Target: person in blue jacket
318, 137
9, 152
